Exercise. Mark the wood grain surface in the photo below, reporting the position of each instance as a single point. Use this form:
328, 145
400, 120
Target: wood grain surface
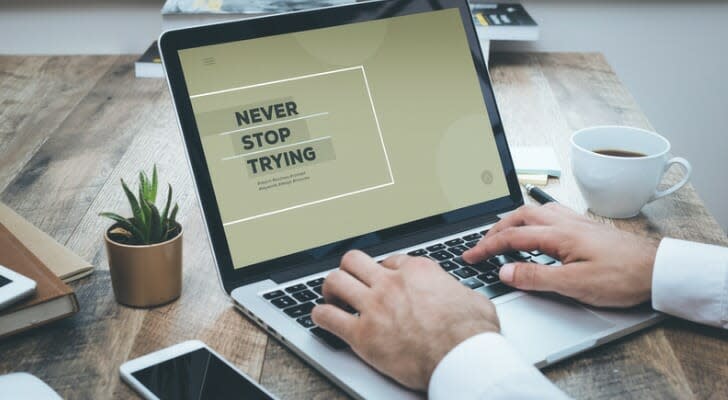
71, 127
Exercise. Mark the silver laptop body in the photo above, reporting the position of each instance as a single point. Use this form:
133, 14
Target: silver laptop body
543, 328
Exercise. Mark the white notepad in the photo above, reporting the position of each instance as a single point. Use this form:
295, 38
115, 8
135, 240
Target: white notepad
535, 160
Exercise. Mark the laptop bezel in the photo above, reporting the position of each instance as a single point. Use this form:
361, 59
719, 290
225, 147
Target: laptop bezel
170, 42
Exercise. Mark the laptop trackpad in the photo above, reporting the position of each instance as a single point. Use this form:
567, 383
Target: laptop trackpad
540, 326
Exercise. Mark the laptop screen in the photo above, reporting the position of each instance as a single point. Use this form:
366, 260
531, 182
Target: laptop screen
326, 134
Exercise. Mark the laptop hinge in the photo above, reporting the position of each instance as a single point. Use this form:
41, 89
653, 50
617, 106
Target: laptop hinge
299, 271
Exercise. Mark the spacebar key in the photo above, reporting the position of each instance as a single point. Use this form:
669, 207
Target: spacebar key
330, 339
495, 290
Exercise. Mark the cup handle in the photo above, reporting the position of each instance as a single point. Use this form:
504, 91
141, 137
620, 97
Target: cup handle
687, 168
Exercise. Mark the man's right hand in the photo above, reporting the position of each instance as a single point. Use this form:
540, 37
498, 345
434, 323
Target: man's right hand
602, 266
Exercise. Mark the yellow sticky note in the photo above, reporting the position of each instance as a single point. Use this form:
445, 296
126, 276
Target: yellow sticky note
534, 179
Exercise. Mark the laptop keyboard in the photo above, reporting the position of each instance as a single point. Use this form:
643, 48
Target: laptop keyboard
298, 300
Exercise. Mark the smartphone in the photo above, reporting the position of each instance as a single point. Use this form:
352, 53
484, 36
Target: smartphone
189, 370
14, 287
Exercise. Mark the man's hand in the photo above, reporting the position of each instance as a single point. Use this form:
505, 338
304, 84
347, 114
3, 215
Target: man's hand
411, 313
602, 266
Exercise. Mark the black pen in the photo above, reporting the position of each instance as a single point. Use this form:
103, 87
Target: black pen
538, 194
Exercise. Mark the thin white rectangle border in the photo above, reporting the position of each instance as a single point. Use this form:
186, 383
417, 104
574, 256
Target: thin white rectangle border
295, 78
376, 120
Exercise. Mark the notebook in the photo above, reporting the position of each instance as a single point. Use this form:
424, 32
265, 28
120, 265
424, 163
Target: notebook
535, 160
63, 262
52, 300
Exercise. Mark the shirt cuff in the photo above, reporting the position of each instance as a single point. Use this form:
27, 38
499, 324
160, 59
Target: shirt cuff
486, 366
690, 281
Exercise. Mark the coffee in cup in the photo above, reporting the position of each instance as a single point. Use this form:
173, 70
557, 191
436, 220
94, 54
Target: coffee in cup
618, 168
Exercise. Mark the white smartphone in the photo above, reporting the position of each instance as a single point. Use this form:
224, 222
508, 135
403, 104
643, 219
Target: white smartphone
189, 370
13, 287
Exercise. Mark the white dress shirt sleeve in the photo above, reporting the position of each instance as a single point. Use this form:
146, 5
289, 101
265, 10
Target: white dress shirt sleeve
690, 281
485, 366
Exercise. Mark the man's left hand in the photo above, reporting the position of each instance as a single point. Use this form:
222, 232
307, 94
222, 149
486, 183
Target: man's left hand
411, 313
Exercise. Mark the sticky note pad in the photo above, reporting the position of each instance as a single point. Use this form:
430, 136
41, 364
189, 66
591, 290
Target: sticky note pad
539, 180
536, 160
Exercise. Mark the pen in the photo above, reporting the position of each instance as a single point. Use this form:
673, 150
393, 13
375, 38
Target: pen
538, 194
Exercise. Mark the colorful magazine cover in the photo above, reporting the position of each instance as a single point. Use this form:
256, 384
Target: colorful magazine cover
244, 6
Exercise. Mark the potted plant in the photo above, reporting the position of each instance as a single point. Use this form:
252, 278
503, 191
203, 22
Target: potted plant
145, 250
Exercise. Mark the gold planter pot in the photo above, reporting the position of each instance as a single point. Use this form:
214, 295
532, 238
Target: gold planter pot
146, 275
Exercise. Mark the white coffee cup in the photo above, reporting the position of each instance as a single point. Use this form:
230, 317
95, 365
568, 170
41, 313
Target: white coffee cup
615, 186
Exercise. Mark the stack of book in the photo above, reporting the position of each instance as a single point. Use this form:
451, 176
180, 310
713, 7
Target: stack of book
503, 21
32, 253
149, 65
182, 13
493, 21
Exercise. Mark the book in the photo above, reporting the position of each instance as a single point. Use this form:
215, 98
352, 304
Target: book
52, 300
149, 65
63, 262
503, 21
245, 6
183, 13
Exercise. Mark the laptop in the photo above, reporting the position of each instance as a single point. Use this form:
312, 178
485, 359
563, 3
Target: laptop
367, 126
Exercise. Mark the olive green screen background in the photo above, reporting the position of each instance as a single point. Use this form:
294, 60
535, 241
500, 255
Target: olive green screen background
350, 129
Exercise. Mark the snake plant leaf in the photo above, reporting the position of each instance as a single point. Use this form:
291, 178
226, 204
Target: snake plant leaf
173, 216
147, 211
171, 223
116, 217
145, 188
147, 225
165, 211
142, 181
155, 226
135, 209
153, 189
124, 223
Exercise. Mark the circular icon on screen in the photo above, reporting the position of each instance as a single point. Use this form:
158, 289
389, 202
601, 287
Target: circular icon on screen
487, 177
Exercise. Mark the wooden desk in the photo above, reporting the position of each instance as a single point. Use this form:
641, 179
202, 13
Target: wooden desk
70, 127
